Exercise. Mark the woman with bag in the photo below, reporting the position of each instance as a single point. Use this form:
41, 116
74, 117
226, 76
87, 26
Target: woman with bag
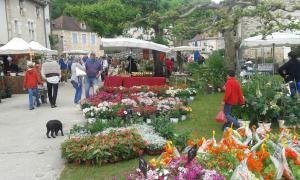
78, 72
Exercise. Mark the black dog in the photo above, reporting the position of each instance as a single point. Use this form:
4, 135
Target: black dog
54, 126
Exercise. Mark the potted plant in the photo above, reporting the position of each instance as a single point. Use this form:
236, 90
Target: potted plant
184, 111
175, 115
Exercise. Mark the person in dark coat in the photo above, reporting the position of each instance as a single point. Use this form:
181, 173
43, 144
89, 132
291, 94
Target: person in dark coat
290, 71
132, 66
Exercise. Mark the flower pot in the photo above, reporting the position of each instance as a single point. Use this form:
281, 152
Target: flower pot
244, 124
192, 98
266, 126
91, 120
174, 120
183, 117
281, 123
148, 121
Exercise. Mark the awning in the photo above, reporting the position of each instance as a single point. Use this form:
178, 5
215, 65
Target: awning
123, 43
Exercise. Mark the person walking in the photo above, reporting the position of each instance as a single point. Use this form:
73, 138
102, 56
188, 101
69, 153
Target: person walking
170, 66
31, 81
64, 69
290, 71
78, 72
93, 68
233, 96
52, 74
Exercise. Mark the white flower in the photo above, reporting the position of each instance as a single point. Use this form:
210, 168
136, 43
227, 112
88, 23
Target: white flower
125, 112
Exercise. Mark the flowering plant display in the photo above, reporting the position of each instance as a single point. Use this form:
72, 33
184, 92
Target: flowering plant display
184, 110
154, 142
293, 162
103, 148
173, 166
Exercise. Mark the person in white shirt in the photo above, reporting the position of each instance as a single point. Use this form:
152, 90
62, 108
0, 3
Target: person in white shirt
78, 72
52, 74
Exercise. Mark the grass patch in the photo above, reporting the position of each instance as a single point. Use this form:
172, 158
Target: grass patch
201, 120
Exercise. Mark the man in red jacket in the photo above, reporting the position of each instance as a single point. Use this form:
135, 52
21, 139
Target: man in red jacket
233, 96
30, 83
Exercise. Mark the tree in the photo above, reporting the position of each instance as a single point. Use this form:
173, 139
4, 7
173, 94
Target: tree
58, 6
226, 16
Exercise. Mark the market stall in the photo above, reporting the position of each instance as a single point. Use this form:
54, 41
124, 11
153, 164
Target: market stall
133, 78
15, 55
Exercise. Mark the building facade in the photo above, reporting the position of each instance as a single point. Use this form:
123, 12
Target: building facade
69, 34
208, 43
27, 19
249, 26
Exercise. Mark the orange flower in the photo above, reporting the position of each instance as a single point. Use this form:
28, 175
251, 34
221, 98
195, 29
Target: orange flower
254, 164
297, 162
240, 156
190, 143
269, 176
290, 153
200, 142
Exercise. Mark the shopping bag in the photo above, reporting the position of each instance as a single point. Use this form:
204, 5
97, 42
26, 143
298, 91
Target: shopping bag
221, 117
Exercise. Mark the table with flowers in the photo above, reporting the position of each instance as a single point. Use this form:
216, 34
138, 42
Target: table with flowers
117, 81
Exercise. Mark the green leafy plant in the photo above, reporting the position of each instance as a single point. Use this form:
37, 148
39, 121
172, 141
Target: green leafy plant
103, 149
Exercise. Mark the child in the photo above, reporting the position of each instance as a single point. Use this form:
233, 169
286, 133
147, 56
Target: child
31, 81
233, 96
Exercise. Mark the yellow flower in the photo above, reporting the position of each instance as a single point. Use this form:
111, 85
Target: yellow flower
153, 162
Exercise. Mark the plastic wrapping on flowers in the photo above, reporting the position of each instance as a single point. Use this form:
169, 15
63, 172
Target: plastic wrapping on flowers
274, 156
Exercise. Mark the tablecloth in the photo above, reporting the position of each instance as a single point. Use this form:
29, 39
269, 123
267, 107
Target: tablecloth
117, 81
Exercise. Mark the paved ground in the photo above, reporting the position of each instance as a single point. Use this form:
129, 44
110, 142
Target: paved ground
25, 151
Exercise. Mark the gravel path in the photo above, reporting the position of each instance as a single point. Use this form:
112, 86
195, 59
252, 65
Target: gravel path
25, 151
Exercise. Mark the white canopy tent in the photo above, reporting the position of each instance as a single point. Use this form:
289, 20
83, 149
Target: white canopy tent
16, 46
76, 52
186, 48
38, 48
278, 39
123, 43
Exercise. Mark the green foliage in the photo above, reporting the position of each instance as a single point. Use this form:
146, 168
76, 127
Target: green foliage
107, 17
163, 126
103, 149
212, 76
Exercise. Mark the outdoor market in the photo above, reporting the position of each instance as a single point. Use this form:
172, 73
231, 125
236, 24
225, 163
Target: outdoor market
150, 90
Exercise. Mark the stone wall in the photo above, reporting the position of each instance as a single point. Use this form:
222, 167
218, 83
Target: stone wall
28, 20
66, 41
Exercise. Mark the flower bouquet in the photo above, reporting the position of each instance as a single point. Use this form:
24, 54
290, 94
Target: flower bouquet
292, 164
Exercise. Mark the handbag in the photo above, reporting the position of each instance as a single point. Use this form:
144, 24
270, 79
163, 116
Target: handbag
221, 118
79, 72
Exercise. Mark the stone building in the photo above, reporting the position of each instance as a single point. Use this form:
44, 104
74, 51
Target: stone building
27, 19
249, 26
208, 43
69, 34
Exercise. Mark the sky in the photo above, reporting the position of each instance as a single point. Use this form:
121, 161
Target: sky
217, 1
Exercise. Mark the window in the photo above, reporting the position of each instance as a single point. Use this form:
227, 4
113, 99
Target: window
93, 39
31, 30
83, 26
21, 5
38, 11
17, 27
74, 38
83, 38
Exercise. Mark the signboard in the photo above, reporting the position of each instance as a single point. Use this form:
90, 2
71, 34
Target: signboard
268, 67
192, 153
143, 166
